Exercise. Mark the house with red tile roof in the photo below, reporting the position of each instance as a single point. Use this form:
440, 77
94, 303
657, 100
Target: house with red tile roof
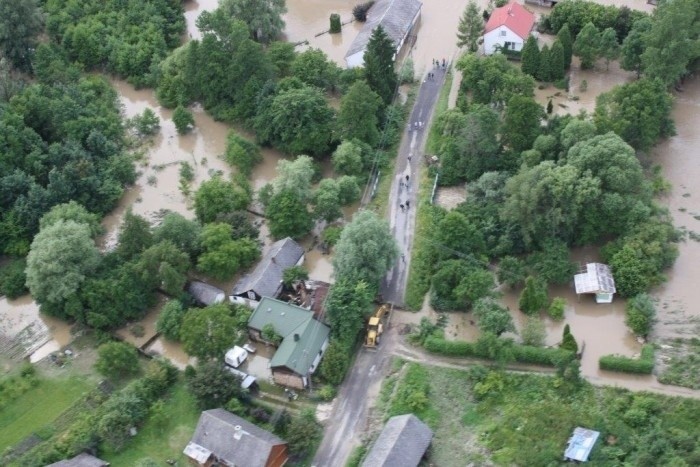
508, 28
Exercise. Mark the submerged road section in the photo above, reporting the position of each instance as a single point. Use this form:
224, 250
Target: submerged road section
348, 421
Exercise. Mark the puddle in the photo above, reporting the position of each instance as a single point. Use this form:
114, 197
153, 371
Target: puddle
172, 351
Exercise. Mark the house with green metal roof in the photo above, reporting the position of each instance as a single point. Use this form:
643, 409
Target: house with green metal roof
304, 340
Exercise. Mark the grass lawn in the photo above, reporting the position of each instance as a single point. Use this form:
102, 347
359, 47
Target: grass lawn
496, 418
38, 407
162, 439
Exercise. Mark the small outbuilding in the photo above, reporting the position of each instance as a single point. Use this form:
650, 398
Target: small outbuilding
222, 438
304, 340
398, 18
205, 294
508, 28
580, 444
596, 279
266, 278
402, 442
81, 460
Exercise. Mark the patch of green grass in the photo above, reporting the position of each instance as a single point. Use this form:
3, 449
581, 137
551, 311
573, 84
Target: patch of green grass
422, 255
356, 456
683, 368
164, 438
38, 407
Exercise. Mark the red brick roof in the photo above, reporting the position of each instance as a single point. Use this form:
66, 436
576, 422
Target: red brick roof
514, 16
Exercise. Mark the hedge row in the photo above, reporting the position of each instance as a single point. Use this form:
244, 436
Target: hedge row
521, 353
643, 365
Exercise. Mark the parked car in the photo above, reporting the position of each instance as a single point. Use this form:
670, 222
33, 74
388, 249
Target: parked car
247, 381
236, 356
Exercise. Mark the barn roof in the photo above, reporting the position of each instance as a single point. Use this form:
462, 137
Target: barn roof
514, 16
232, 439
596, 279
402, 442
395, 17
266, 278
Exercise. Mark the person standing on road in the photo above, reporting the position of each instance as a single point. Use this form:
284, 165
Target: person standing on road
408, 204
407, 178
402, 207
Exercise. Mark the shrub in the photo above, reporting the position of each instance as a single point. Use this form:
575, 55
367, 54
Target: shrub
640, 314
116, 360
326, 393
568, 342
12, 279
270, 334
331, 234
359, 12
241, 153
642, 365
183, 120
533, 298
335, 363
335, 23
533, 332
556, 308
407, 73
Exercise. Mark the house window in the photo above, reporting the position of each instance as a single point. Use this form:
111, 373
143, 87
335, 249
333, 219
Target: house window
503, 33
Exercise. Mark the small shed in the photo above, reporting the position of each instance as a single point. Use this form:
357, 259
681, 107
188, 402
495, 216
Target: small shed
580, 444
402, 442
398, 18
596, 279
205, 294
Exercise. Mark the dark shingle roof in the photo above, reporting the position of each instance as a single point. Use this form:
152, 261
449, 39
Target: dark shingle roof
395, 16
266, 278
295, 353
402, 443
248, 445
206, 294
81, 460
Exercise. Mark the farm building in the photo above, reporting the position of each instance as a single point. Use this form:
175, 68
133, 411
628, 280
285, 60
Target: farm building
402, 442
596, 279
508, 28
205, 294
580, 444
266, 278
222, 438
304, 340
398, 18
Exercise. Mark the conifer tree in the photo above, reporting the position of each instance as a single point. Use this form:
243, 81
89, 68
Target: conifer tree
533, 298
379, 65
530, 57
609, 47
470, 27
568, 342
567, 42
556, 61
587, 45
544, 71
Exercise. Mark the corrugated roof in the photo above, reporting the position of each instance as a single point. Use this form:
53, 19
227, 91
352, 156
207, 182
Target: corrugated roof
596, 279
81, 460
290, 320
402, 443
395, 17
266, 278
247, 445
580, 444
206, 294
514, 16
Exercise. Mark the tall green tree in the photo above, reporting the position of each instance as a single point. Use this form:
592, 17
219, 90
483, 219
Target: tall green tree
470, 27
609, 47
287, 215
313, 67
222, 257
217, 196
671, 44
366, 250
557, 63
521, 123
567, 42
530, 57
358, 114
182, 232
263, 17
72, 211
533, 298
493, 317
134, 236
587, 45
633, 46
213, 385
208, 332
347, 158
347, 306
295, 176
544, 71
640, 112
62, 256
459, 236
327, 200
170, 319
20, 23
640, 314
379, 65
491, 80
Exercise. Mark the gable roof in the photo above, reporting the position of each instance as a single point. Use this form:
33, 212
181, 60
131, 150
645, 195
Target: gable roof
266, 278
232, 439
295, 353
596, 279
81, 460
395, 16
514, 16
205, 293
402, 442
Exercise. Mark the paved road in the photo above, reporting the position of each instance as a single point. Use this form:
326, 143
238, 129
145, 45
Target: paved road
349, 418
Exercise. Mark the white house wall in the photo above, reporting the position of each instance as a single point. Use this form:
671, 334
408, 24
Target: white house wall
498, 37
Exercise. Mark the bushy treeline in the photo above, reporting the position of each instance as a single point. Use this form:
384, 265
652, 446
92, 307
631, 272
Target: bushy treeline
128, 38
577, 13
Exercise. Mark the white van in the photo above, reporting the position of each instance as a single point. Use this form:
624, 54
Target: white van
235, 356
